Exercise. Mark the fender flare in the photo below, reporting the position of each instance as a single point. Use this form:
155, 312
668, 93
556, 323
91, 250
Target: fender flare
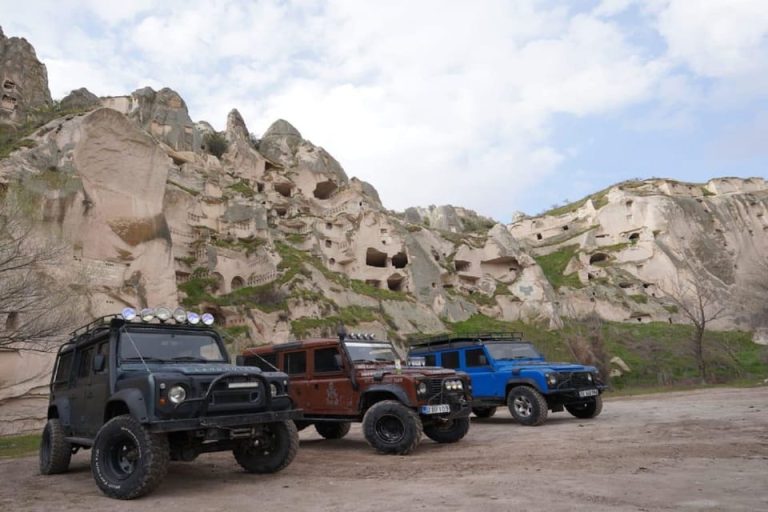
63, 410
522, 381
135, 402
387, 388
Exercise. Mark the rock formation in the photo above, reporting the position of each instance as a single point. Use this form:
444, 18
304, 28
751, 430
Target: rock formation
23, 80
275, 240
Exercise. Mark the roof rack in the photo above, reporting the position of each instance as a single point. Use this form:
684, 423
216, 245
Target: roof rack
99, 322
448, 338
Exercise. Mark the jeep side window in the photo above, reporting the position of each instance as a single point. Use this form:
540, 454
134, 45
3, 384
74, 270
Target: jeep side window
295, 362
84, 365
430, 360
450, 360
476, 357
103, 349
63, 370
327, 360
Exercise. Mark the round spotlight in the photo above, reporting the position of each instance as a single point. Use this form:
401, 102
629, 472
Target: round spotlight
207, 318
128, 314
147, 314
179, 315
163, 314
193, 318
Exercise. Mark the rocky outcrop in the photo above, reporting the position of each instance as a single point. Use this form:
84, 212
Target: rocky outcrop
80, 99
23, 80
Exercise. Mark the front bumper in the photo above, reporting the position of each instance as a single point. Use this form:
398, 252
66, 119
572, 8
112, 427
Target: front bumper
232, 421
460, 407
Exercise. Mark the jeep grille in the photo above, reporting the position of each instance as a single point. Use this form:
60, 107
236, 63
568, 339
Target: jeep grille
434, 386
574, 380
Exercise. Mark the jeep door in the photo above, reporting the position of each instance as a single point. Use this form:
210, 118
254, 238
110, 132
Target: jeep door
484, 382
330, 390
97, 392
79, 393
294, 363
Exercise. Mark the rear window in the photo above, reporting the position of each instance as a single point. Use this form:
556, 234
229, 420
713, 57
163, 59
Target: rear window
430, 360
63, 370
450, 360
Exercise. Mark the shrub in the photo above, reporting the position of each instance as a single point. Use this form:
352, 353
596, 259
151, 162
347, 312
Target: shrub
215, 144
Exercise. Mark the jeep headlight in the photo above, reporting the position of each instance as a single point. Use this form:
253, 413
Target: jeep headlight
589, 377
273, 388
551, 379
177, 394
422, 388
453, 385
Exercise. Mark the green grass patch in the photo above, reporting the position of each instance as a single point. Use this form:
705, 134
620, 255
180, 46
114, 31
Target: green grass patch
246, 245
599, 199
639, 298
24, 445
350, 316
185, 189
553, 265
671, 308
243, 187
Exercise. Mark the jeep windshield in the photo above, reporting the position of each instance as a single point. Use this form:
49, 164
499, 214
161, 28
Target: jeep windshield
510, 350
169, 347
370, 352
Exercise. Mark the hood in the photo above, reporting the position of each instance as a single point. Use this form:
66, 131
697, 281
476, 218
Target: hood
411, 371
194, 368
544, 366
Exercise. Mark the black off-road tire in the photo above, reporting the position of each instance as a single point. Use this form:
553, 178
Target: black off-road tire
333, 429
586, 410
55, 452
392, 428
527, 406
127, 460
484, 412
450, 431
274, 454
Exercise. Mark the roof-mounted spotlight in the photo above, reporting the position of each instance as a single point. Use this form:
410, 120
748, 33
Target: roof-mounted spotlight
207, 318
193, 318
128, 314
179, 315
163, 314
147, 314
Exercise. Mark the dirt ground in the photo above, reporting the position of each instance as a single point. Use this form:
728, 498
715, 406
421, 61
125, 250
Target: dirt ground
701, 450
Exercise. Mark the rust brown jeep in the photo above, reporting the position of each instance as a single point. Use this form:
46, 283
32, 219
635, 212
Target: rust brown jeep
356, 378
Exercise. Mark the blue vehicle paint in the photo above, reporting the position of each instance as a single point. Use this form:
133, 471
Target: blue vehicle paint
500, 363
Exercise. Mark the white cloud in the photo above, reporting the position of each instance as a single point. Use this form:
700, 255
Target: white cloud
716, 38
431, 101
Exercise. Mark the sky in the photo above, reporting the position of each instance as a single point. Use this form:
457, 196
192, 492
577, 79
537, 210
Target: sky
498, 106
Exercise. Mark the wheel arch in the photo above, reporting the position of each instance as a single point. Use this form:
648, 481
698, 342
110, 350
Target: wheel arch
513, 383
377, 394
127, 401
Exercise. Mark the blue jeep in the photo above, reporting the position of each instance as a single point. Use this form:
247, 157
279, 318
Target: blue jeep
507, 370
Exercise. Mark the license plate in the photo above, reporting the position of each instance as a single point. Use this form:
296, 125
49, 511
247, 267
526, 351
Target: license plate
588, 392
435, 409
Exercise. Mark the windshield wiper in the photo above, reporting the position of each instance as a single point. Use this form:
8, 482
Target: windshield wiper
144, 358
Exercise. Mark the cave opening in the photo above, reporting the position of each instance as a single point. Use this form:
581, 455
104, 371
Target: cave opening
400, 260
375, 258
325, 189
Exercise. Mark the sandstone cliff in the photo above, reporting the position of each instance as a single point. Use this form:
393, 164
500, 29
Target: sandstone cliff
274, 238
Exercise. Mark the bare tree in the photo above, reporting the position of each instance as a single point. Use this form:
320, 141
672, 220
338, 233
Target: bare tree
700, 305
36, 309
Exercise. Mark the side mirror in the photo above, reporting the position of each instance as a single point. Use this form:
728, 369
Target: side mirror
239, 361
337, 361
483, 360
99, 362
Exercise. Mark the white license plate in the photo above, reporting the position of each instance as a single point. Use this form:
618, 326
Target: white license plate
588, 392
435, 409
